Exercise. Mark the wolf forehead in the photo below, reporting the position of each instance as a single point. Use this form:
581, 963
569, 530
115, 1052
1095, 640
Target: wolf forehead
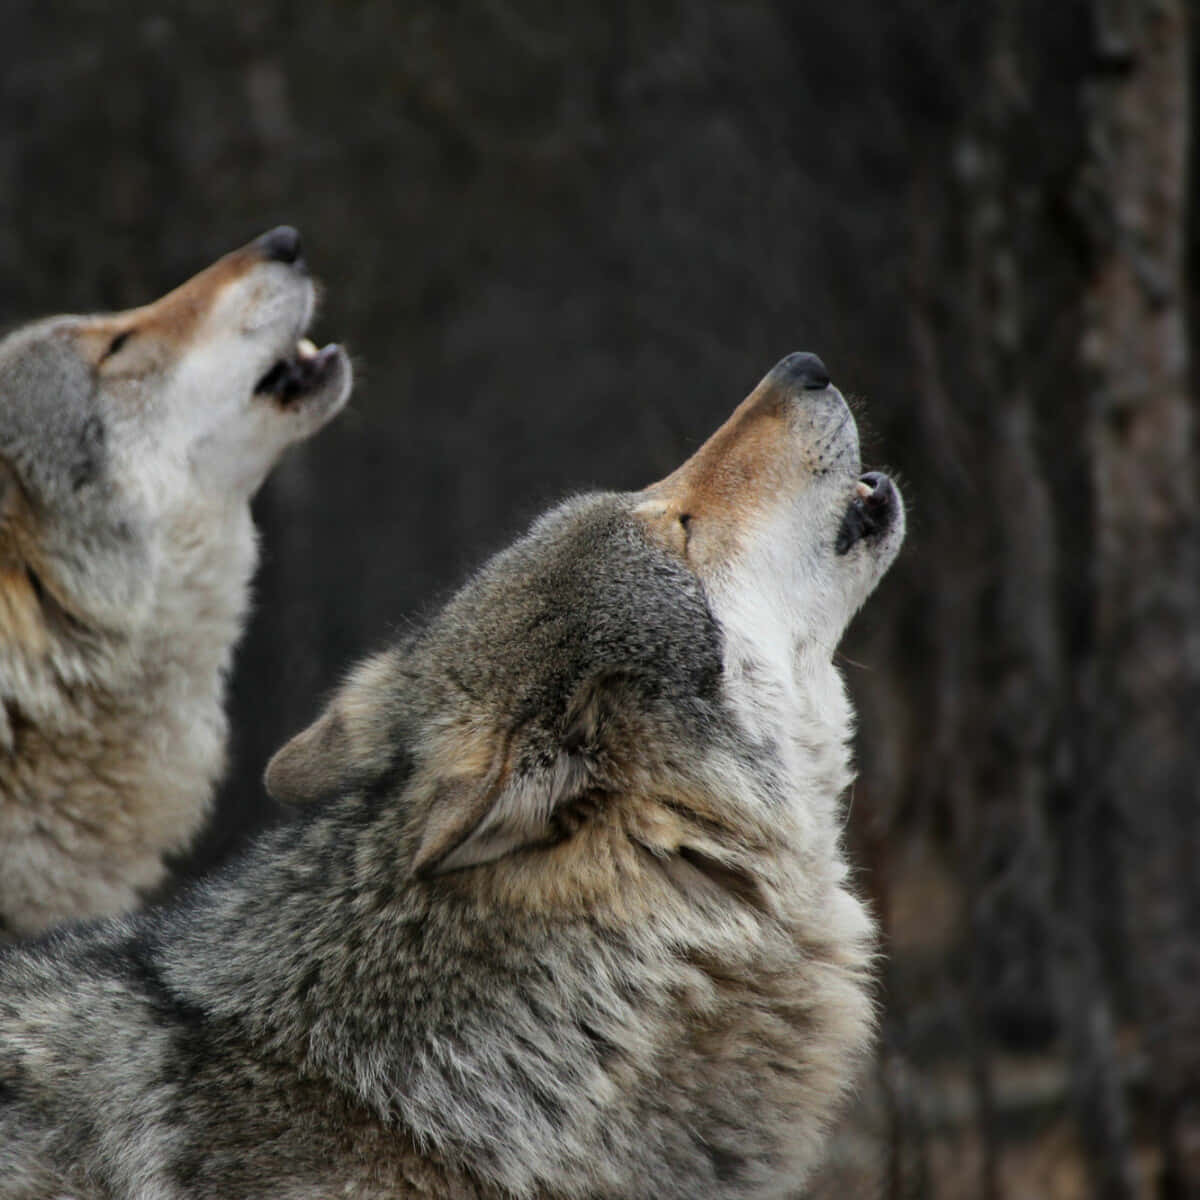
587, 591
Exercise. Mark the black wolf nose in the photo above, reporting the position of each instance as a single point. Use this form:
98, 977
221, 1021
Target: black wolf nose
807, 370
281, 244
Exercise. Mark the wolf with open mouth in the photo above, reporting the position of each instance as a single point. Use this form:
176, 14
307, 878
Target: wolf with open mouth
564, 912
130, 446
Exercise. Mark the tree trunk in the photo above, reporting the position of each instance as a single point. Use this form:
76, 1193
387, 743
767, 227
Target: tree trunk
1146, 674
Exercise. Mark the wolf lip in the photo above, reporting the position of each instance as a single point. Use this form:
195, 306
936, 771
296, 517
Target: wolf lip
870, 512
301, 373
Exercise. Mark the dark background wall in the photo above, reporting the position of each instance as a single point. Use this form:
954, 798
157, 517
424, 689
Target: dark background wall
562, 241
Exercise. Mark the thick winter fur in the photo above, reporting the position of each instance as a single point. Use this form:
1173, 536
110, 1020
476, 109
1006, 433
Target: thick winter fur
564, 913
130, 445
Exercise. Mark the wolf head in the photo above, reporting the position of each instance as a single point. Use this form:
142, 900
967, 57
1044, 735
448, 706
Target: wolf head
112, 427
643, 683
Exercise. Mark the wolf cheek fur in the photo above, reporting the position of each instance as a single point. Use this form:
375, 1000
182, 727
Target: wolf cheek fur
564, 913
130, 445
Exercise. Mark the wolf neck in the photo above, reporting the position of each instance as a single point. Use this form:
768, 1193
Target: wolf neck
185, 659
787, 693
116, 739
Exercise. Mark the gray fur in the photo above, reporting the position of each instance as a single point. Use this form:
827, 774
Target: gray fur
564, 913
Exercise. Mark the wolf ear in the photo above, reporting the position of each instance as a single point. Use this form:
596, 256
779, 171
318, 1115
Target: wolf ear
351, 743
479, 821
313, 764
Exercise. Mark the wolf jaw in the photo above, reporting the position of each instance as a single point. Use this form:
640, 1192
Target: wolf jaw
299, 374
870, 512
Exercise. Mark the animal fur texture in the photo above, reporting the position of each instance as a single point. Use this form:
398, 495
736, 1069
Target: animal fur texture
130, 445
564, 910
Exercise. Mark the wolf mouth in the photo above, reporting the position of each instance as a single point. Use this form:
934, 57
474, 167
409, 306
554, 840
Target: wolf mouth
871, 512
299, 374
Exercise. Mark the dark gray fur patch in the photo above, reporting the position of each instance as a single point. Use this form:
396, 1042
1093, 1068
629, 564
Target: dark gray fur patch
90, 459
550, 599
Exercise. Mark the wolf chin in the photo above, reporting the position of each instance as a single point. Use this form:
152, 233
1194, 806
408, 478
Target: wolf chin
130, 445
564, 910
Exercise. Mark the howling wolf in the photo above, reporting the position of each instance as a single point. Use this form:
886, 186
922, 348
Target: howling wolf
130, 445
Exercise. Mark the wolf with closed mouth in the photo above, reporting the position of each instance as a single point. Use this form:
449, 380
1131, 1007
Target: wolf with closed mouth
564, 912
130, 446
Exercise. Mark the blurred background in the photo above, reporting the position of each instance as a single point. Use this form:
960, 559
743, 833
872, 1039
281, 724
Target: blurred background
562, 241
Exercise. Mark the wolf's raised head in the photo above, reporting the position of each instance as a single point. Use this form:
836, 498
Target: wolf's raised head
130, 445
114, 427
644, 680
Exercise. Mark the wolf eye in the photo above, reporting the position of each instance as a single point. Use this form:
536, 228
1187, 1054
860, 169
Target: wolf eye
116, 344
685, 519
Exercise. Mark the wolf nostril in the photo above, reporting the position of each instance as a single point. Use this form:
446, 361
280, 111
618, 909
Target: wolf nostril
807, 370
281, 244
